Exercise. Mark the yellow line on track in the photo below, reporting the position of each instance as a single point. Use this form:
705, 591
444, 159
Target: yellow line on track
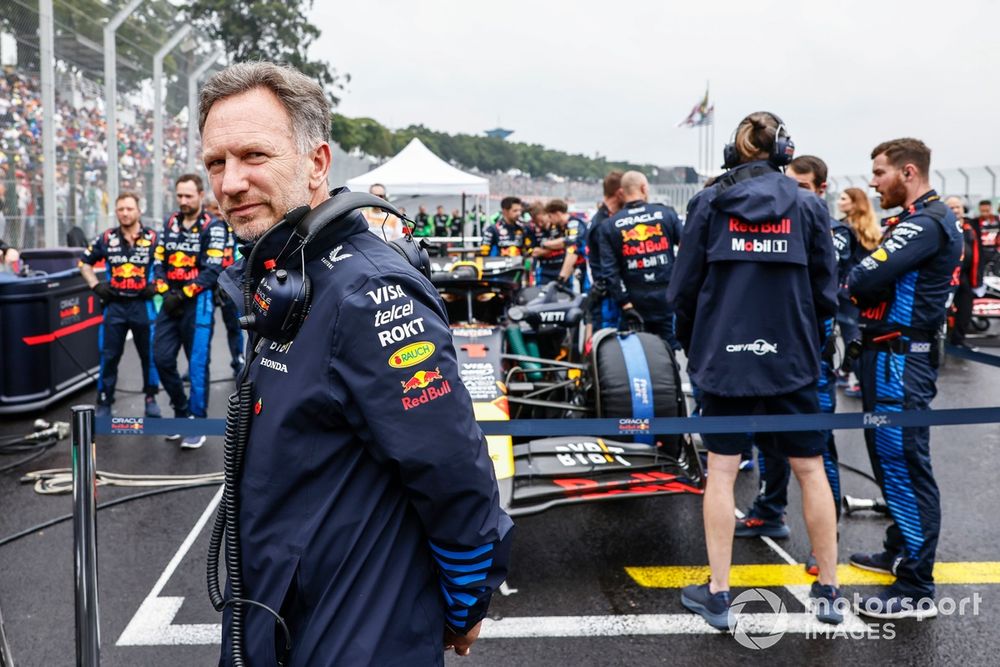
766, 576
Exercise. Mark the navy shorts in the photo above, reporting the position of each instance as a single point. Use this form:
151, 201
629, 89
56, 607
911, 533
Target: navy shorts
793, 444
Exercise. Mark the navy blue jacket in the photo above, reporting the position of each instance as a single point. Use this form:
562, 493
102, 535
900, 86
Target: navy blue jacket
637, 256
129, 267
190, 260
370, 512
845, 245
909, 279
507, 240
593, 238
754, 281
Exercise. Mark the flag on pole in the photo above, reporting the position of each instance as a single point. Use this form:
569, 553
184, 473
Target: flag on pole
701, 114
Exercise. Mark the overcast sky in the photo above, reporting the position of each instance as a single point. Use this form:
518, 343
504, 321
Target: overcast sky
615, 77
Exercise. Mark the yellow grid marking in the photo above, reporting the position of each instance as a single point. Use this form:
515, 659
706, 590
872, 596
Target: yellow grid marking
767, 576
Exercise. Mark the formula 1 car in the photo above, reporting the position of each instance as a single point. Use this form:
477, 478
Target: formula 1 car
521, 354
986, 307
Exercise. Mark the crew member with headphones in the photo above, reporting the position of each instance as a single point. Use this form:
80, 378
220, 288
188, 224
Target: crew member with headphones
904, 289
754, 283
361, 514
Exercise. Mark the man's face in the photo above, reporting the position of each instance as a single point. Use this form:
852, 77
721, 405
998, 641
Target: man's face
188, 198
513, 214
378, 192
805, 181
255, 168
955, 204
423, 210
888, 183
559, 218
127, 212
440, 210
985, 210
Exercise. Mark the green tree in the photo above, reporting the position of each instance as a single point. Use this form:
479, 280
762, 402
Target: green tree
472, 152
276, 30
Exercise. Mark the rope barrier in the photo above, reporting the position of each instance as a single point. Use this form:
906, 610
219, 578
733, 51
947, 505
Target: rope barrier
592, 427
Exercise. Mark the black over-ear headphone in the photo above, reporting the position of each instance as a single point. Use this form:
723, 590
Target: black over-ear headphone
279, 305
781, 153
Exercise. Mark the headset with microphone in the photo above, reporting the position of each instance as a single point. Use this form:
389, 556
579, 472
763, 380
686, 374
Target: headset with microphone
781, 153
280, 303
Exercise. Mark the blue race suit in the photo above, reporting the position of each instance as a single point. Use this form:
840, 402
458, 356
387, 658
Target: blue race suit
903, 289
849, 253
754, 283
507, 239
604, 311
370, 512
230, 310
129, 268
638, 245
547, 268
188, 262
775, 471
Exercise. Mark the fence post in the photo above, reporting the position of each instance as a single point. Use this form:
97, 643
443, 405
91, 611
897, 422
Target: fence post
193, 78
47, 66
88, 631
993, 186
966, 177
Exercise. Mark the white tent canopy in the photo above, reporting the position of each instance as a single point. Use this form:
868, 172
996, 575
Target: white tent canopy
415, 170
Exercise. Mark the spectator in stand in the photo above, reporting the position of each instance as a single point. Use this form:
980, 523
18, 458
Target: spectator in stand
970, 276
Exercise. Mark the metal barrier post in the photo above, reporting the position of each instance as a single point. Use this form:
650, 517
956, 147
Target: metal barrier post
88, 633
6, 660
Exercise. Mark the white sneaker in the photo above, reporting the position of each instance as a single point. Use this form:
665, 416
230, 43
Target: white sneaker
193, 442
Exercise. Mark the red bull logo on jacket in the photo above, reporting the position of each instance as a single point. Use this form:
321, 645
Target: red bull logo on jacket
426, 396
642, 232
784, 226
647, 247
421, 380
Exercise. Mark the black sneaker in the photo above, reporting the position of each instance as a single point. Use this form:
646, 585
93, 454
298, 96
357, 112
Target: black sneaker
880, 562
152, 409
752, 526
828, 604
714, 608
890, 604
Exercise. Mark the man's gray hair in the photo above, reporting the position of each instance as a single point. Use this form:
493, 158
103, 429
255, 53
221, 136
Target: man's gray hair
307, 106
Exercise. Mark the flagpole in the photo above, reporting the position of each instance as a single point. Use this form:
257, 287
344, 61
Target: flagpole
711, 141
700, 148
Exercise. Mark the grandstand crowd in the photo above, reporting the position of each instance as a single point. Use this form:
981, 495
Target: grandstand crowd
81, 156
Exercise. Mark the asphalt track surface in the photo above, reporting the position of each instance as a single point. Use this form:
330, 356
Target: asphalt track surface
568, 562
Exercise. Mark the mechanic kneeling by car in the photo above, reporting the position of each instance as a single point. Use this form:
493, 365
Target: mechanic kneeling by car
367, 509
754, 283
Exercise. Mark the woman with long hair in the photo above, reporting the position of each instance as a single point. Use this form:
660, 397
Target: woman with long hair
754, 282
859, 216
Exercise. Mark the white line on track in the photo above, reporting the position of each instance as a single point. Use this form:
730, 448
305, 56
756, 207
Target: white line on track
152, 624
